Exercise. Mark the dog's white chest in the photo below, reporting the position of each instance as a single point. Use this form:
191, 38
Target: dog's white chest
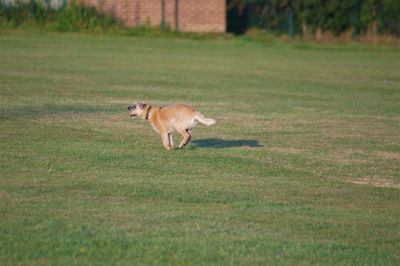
154, 127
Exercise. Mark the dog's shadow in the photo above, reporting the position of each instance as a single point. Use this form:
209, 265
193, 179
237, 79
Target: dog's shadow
222, 143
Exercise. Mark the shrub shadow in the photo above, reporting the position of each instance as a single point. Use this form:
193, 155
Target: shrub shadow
222, 143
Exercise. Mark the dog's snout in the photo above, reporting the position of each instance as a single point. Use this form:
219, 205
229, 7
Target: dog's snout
131, 107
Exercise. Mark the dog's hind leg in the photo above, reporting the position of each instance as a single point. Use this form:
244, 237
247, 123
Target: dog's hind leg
186, 138
171, 141
165, 137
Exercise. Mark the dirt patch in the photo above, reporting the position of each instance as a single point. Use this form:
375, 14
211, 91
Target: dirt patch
345, 161
388, 155
4, 195
345, 157
287, 150
377, 182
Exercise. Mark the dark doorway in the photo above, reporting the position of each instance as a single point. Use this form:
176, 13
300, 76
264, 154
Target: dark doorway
236, 17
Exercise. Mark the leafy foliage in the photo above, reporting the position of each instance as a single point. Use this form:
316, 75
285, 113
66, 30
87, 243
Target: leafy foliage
73, 17
327, 15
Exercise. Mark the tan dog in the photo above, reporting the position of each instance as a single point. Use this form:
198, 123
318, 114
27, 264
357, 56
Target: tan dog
167, 119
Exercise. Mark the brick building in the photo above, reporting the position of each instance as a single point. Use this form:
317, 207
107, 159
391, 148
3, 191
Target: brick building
181, 15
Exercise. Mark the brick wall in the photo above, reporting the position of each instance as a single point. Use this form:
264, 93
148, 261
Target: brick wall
193, 15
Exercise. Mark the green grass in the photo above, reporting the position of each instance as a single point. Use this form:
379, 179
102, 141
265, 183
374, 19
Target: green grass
302, 166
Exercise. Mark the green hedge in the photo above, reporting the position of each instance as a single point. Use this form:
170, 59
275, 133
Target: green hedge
71, 17
336, 16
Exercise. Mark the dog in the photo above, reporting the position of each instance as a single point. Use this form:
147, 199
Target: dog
167, 119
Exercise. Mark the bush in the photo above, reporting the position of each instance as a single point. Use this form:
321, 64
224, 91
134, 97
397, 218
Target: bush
80, 18
73, 17
335, 16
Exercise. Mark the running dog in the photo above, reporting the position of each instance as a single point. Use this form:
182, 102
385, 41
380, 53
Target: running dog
170, 118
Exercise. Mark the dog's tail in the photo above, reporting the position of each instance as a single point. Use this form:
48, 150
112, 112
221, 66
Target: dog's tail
205, 121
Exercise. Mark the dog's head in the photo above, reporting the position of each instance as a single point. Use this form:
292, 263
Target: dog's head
136, 109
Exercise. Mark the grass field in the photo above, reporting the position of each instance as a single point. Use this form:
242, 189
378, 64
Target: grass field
301, 168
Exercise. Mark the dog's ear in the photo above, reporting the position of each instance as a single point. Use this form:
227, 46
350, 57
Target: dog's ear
142, 105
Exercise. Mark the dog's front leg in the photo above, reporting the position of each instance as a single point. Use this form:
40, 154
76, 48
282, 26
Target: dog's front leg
165, 137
